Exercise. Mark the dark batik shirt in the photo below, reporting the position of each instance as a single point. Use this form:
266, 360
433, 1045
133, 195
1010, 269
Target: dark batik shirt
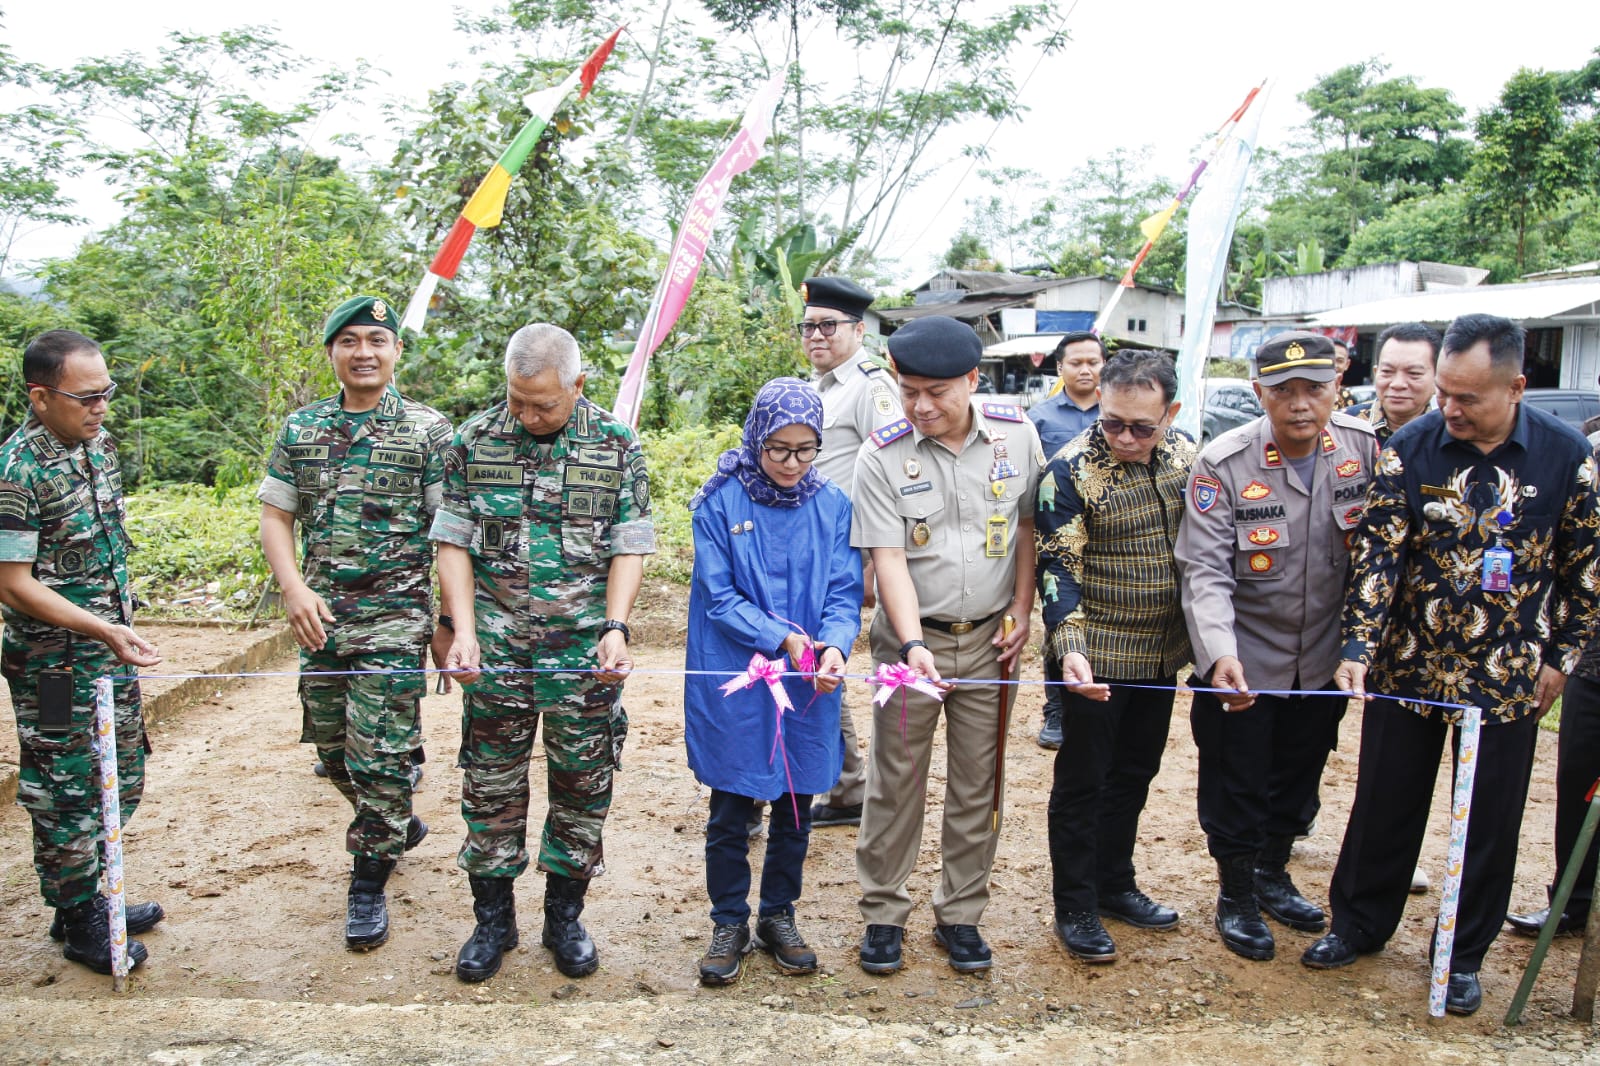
1105, 530
1417, 612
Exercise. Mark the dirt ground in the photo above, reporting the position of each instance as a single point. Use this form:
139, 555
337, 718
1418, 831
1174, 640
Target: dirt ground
244, 848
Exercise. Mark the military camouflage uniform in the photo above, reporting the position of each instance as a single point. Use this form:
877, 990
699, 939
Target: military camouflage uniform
61, 509
542, 522
363, 488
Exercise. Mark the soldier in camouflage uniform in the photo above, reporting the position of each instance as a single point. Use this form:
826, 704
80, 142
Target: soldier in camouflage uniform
542, 537
64, 586
362, 473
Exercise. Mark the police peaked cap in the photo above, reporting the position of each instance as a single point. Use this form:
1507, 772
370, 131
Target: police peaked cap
837, 294
935, 347
1296, 355
361, 311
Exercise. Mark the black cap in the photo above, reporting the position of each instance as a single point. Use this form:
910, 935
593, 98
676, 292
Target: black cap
1295, 355
935, 347
837, 294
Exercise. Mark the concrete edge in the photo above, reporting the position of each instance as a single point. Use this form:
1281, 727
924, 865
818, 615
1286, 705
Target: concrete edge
165, 706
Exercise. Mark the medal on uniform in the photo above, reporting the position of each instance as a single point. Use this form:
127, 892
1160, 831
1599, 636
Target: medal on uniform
912, 468
1002, 467
921, 534
994, 542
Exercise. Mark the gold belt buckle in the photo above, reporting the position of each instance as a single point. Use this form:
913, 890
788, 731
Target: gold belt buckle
958, 628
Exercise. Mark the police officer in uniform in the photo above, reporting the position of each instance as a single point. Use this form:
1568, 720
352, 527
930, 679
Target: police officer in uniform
68, 620
542, 537
1263, 557
944, 501
858, 398
361, 473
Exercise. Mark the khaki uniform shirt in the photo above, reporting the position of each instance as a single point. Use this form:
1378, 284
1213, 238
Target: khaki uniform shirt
1263, 561
956, 516
858, 397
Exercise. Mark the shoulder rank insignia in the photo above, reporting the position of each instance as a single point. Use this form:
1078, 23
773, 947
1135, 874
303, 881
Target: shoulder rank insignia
1005, 412
1271, 456
871, 364
890, 433
1327, 442
1203, 492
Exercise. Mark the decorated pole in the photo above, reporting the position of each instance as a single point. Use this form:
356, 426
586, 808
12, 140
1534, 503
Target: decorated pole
105, 728
1455, 857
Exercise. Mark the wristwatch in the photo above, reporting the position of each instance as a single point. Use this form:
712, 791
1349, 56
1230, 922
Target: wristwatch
905, 649
447, 622
611, 625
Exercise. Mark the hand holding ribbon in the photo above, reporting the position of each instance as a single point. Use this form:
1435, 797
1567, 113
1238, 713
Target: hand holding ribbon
892, 676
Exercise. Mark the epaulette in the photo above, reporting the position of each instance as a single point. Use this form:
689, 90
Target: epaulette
1355, 422
1005, 412
872, 364
890, 433
1230, 443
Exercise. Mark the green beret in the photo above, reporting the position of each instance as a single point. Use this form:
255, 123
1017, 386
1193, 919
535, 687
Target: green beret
361, 311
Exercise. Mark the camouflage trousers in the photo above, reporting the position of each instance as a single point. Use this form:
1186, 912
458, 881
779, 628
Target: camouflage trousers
365, 726
584, 730
59, 774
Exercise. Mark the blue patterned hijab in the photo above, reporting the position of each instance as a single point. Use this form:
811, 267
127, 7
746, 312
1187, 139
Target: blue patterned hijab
781, 402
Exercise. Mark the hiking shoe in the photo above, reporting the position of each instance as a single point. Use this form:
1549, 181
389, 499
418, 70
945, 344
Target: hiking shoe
880, 948
776, 933
968, 952
723, 960
1050, 730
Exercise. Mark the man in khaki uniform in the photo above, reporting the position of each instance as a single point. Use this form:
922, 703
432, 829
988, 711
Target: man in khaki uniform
944, 502
1263, 557
858, 398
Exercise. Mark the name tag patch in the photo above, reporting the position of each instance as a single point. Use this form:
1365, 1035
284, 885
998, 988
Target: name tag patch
494, 474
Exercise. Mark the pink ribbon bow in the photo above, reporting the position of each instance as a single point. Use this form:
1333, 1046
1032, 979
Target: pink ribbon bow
893, 676
763, 669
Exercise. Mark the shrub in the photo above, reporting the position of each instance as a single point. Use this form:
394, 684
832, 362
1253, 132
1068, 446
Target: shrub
680, 461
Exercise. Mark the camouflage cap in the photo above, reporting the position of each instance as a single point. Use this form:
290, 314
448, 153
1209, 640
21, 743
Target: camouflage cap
360, 311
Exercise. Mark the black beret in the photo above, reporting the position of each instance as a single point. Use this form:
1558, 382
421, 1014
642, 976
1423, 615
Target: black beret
935, 347
838, 294
1295, 355
360, 311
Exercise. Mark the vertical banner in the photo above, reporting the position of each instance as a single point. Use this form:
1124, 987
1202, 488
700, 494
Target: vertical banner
1444, 937
105, 730
689, 248
1211, 220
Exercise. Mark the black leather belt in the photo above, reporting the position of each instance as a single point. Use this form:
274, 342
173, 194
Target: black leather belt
958, 628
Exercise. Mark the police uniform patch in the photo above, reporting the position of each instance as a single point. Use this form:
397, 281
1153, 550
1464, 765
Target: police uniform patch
1260, 562
1204, 493
1005, 412
1255, 491
890, 433
1262, 536
1352, 516
1348, 468
882, 402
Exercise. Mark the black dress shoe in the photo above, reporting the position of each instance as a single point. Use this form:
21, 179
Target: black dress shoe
822, 814
1137, 909
1278, 896
968, 952
1084, 937
1465, 995
1330, 953
1533, 924
880, 948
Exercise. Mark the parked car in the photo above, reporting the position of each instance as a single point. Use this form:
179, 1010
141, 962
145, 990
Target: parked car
1363, 394
1572, 406
1230, 402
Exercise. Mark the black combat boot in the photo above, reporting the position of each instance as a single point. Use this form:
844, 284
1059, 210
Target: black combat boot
494, 904
563, 934
87, 932
1238, 918
1278, 896
140, 917
366, 923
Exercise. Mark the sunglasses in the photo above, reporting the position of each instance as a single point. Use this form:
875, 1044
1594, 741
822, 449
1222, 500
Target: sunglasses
1113, 427
88, 399
827, 326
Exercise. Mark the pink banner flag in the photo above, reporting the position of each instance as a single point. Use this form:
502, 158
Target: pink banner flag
689, 249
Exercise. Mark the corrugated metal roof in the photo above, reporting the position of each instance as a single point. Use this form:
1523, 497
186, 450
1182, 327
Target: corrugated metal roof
1520, 302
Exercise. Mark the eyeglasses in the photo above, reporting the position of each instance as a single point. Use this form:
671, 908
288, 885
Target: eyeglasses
88, 399
827, 326
1113, 427
805, 453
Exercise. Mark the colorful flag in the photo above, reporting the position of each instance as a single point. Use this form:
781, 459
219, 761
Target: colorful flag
689, 249
487, 205
1211, 222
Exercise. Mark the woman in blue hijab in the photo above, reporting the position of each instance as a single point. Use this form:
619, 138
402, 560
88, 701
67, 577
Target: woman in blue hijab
775, 576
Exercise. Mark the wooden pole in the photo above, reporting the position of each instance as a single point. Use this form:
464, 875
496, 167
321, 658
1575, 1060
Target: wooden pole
1558, 907
1007, 625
